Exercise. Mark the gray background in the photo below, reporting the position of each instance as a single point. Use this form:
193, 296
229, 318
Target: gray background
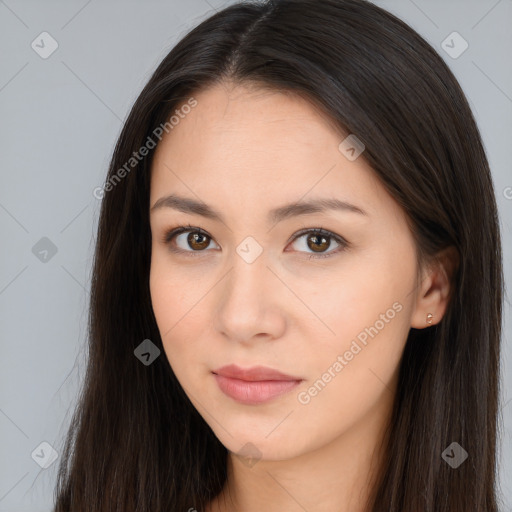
60, 118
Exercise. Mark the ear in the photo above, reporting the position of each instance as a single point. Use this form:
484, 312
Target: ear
435, 289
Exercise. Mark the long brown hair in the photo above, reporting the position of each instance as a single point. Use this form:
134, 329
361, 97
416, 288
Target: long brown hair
136, 443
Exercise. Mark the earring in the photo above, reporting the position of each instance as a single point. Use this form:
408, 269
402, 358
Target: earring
429, 318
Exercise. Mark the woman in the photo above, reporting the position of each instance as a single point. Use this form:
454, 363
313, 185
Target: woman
297, 290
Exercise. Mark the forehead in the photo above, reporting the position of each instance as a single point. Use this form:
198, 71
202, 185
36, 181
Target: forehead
259, 122
248, 145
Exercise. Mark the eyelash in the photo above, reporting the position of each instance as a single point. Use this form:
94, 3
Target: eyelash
170, 234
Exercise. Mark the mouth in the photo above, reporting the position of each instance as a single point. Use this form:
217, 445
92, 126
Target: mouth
254, 385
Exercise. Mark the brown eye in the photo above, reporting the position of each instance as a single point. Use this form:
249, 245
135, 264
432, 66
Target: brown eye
191, 241
187, 239
197, 241
319, 241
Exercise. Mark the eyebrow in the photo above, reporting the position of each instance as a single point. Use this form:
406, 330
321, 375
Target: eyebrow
194, 207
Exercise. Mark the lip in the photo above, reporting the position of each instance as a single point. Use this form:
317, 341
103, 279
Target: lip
254, 385
254, 373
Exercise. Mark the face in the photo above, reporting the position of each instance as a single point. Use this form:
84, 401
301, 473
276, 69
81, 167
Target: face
323, 295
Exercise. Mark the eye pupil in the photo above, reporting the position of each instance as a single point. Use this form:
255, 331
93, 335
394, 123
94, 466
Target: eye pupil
192, 240
317, 247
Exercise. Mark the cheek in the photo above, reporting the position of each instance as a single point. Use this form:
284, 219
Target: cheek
174, 291
163, 299
352, 374
365, 318
361, 298
173, 305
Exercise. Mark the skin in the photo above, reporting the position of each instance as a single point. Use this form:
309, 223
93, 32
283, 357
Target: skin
245, 151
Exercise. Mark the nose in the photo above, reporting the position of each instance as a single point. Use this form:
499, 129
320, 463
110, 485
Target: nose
251, 302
